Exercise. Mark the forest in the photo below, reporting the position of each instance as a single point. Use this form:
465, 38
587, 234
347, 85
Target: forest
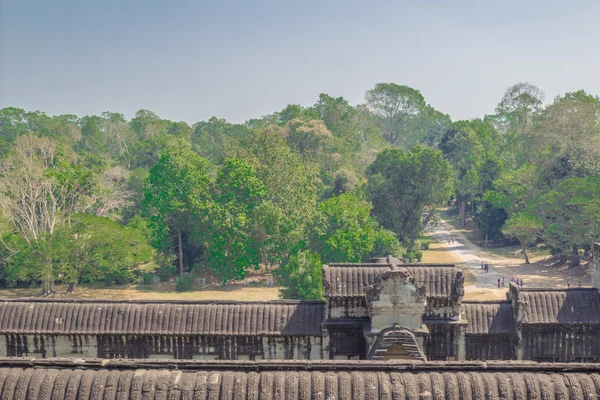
100, 198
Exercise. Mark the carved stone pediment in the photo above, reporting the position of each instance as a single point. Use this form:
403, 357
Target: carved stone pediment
395, 298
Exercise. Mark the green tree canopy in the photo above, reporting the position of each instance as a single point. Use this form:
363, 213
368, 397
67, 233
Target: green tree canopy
393, 105
405, 187
233, 242
345, 231
176, 197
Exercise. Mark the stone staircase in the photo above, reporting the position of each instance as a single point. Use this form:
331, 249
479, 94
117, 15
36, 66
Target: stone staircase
396, 336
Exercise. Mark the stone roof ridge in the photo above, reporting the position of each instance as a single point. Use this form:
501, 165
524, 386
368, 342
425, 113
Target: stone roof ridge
486, 302
555, 289
379, 265
169, 302
297, 365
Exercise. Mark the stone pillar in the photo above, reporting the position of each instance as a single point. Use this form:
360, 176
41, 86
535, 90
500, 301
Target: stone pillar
325, 353
595, 265
520, 347
461, 343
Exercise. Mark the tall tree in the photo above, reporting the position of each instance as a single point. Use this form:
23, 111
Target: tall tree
291, 183
405, 186
176, 196
566, 139
345, 231
525, 227
462, 146
302, 276
40, 190
519, 102
232, 241
306, 137
571, 214
393, 105
340, 118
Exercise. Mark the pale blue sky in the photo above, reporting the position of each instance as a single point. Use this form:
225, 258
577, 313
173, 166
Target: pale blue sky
190, 60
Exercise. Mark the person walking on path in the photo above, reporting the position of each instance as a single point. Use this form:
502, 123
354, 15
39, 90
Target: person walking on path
568, 283
498, 283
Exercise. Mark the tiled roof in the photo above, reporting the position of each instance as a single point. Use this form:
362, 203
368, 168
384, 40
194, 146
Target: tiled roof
486, 318
295, 381
164, 318
570, 306
349, 280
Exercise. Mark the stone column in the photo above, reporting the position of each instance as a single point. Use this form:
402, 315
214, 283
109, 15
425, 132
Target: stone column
325, 353
595, 265
461, 343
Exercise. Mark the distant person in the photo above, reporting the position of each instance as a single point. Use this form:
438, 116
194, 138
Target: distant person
568, 283
579, 283
498, 283
521, 283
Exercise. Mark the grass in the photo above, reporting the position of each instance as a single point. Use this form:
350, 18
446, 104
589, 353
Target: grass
437, 252
163, 291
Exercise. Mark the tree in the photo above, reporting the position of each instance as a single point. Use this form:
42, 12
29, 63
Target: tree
302, 277
306, 136
463, 148
213, 139
427, 127
393, 105
13, 123
404, 187
120, 138
99, 249
519, 102
291, 184
145, 123
566, 139
176, 196
525, 227
92, 139
232, 240
514, 189
571, 214
91, 249
340, 118
345, 231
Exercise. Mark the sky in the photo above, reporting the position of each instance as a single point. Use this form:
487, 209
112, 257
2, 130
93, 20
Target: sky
191, 60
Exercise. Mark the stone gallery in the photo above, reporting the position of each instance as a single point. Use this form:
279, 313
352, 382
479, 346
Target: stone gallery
376, 311
294, 380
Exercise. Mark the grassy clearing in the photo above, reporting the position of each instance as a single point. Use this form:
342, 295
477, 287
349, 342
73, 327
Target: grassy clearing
485, 294
163, 291
438, 252
450, 215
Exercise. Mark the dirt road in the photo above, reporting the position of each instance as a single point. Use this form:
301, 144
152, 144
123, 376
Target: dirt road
485, 284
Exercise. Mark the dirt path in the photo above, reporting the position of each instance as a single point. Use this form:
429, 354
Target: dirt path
484, 285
